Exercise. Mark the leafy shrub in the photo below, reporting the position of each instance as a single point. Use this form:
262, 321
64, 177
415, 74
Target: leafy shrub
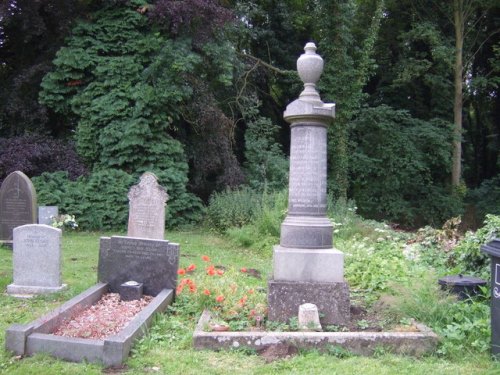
36, 154
100, 201
486, 198
127, 86
266, 165
467, 254
400, 167
232, 208
56, 189
267, 221
373, 266
463, 325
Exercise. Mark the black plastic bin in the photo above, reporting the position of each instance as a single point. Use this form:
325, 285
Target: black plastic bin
462, 286
493, 249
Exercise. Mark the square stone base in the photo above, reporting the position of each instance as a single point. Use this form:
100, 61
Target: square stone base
313, 265
332, 299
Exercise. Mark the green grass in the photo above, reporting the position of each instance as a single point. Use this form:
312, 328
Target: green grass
167, 349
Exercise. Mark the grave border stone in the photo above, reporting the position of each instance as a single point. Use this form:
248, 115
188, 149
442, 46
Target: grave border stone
36, 337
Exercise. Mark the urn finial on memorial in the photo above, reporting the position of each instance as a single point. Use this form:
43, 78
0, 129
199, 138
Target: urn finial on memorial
309, 105
310, 67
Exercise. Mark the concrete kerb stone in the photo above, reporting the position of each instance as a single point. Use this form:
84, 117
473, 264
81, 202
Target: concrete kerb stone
359, 343
16, 335
35, 337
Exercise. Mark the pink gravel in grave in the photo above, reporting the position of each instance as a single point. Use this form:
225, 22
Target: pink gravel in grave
107, 317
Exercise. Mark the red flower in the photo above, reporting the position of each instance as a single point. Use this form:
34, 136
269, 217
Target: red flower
252, 313
205, 258
219, 298
192, 288
243, 269
251, 291
220, 272
211, 270
243, 300
191, 268
181, 271
206, 292
178, 290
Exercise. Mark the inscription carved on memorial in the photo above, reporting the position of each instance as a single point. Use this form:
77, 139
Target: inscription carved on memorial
307, 193
17, 204
147, 208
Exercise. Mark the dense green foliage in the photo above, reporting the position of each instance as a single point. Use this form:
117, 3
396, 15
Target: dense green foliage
402, 179
122, 116
100, 201
194, 90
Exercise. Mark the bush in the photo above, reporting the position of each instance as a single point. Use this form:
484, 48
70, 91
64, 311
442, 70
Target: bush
100, 201
266, 165
486, 198
467, 255
232, 208
400, 168
374, 266
463, 325
36, 154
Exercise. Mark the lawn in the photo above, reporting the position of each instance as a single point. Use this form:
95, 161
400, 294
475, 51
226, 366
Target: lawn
167, 349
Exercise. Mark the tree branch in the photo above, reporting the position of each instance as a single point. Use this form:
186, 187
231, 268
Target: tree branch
263, 63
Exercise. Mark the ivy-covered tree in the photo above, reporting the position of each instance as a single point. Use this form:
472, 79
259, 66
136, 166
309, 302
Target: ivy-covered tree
347, 31
104, 80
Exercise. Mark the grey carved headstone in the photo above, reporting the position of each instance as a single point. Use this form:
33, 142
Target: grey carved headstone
36, 260
147, 208
154, 263
17, 204
46, 214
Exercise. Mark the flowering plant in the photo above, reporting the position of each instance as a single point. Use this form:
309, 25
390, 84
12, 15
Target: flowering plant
64, 221
223, 292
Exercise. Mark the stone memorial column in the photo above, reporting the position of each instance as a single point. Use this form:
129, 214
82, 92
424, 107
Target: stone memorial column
306, 267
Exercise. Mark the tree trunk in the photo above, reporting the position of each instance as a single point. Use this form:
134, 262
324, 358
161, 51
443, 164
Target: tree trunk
458, 20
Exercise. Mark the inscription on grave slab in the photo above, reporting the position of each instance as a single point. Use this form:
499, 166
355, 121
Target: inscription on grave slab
147, 208
36, 260
151, 262
17, 204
